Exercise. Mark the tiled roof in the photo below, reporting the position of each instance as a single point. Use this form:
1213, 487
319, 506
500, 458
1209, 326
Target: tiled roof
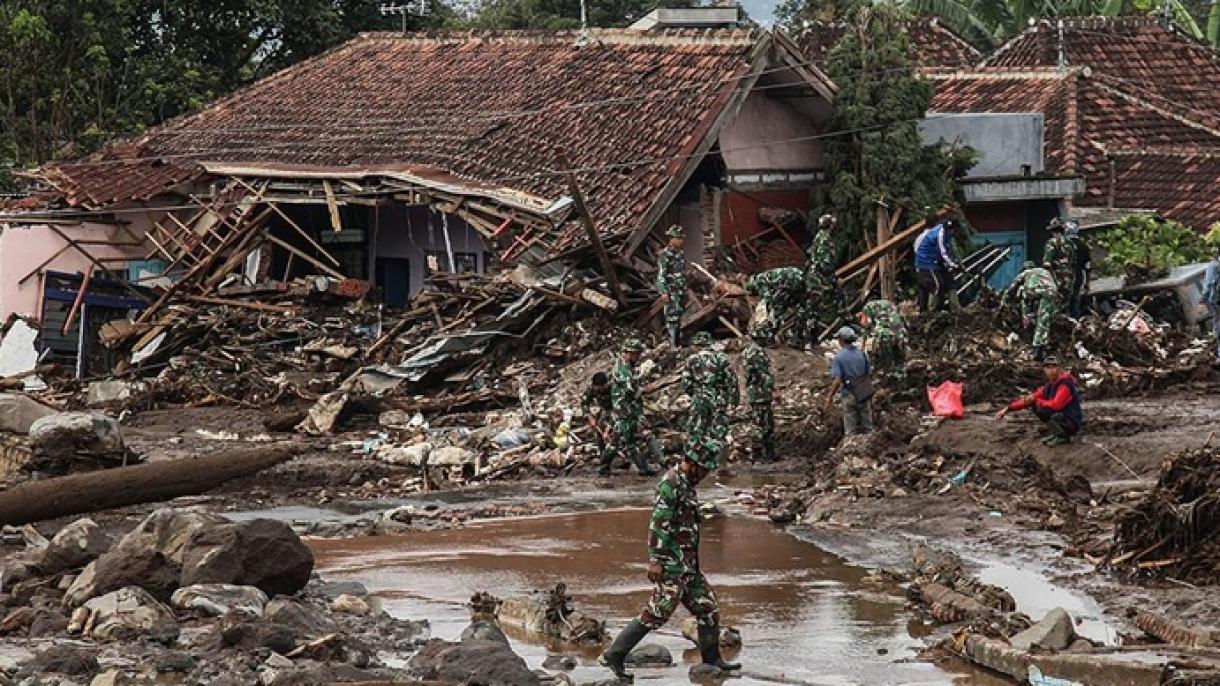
932, 44
1135, 52
1183, 185
628, 108
102, 183
1088, 118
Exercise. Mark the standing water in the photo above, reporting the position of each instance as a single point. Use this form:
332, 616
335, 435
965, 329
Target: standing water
804, 615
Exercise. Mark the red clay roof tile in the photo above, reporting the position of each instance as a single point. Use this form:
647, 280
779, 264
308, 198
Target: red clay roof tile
932, 43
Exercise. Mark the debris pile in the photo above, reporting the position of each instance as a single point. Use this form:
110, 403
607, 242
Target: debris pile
548, 613
1175, 530
949, 594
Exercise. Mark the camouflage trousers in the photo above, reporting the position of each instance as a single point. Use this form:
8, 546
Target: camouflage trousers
820, 308
626, 442
764, 421
1040, 309
674, 309
890, 355
690, 590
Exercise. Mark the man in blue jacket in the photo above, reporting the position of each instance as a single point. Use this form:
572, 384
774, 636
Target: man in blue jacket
1211, 298
933, 260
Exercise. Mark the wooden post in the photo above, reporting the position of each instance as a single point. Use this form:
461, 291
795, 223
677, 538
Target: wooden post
594, 239
886, 271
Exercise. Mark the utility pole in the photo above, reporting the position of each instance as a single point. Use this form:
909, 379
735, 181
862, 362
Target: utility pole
417, 8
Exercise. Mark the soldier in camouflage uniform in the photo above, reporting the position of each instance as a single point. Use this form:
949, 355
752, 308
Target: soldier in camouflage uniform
1059, 258
673, 567
671, 283
884, 324
712, 387
626, 412
781, 290
760, 391
822, 290
596, 405
1036, 288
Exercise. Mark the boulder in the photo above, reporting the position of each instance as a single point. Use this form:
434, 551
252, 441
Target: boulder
260, 552
112, 390
76, 545
130, 613
19, 412
701, 673
333, 589
47, 623
150, 556
17, 620
253, 634
118, 677
350, 604
300, 616
63, 660
559, 662
220, 599
451, 456
65, 433
1056, 631
730, 637
482, 630
650, 655
411, 455
475, 662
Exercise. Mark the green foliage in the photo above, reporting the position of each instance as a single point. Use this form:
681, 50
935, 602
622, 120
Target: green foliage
880, 156
1213, 25
562, 14
1145, 247
78, 73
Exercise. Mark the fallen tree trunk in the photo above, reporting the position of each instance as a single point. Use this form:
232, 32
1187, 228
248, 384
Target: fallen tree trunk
1165, 629
35, 501
949, 606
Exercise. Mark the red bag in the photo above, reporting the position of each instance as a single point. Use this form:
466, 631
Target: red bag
946, 400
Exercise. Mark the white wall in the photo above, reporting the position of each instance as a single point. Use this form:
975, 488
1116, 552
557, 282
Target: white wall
412, 231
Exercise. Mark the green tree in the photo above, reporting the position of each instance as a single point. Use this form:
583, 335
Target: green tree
562, 14
880, 157
1143, 247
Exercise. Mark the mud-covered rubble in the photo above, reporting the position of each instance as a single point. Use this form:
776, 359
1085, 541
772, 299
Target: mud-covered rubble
193, 598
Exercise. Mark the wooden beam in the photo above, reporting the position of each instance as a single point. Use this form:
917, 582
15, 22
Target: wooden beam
97, 263
44, 263
77, 302
594, 239
294, 251
247, 304
848, 270
336, 223
304, 234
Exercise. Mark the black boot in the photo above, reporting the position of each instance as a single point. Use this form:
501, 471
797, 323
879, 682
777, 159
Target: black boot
641, 464
627, 639
709, 648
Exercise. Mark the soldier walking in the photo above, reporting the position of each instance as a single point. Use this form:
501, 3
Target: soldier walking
673, 566
1036, 288
596, 405
1059, 258
671, 283
821, 285
884, 324
712, 387
626, 412
760, 391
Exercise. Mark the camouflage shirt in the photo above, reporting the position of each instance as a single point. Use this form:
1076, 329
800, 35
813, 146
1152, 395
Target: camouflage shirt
712, 387
760, 379
775, 282
625, 402
596, 401
884, 320
671, 273
1059, 257
821, 264
673, 532
1034, 281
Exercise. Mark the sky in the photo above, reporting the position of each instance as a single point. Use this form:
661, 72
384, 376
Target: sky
761, 11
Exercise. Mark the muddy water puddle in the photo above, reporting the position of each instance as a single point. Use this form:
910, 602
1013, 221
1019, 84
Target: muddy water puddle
805, 616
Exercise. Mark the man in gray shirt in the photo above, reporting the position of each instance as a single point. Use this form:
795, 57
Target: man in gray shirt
852, 384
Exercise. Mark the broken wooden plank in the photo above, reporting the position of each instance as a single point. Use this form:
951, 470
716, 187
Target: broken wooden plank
97, 263
595, 239
848, 270
77, 302
336, 223
245, 304
316, 263
1166, 630
296, 227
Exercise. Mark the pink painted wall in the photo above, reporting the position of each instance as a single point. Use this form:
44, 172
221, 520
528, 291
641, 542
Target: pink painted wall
762, 119
24, 247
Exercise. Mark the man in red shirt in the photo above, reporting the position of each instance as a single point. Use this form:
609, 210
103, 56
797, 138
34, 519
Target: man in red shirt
1057, 404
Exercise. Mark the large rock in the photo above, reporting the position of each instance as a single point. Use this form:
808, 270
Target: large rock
130, 613
65, 433
19, 412
220, 599
300, 616
249, 634
260, 552
414, 455
112, 390
63, 660
489, 663
650, 655
451, 456
150, 556
76, 545
483, 630
1056, 631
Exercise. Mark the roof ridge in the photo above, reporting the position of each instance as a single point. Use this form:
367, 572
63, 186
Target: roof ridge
734, 36
1000, 72
1158, 109
1167, 151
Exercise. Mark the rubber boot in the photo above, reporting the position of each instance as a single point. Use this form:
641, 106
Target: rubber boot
641, 464
709, 648
675, 336
627, 639
607, 459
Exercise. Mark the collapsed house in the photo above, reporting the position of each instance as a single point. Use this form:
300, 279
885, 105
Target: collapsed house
393, 160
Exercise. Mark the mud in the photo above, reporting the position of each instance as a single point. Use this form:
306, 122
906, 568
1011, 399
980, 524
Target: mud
804, 614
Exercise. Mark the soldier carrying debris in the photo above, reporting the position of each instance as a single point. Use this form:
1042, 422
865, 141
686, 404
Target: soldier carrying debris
821, 286
1059, 258
1057, 404
596, 405
671, 283
780, 290
884, 324
712, 387
761, 391
673, 566
1036, 288
626, 412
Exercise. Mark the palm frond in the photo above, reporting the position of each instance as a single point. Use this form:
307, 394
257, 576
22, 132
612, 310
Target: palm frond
958, 17
1213, 25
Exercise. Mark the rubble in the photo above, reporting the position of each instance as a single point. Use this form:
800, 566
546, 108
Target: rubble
548, 613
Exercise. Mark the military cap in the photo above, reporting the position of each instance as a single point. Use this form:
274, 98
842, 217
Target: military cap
675, 231
633, 345
825, 220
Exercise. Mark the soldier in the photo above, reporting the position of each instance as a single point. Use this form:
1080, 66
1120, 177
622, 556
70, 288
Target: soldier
781, 290
626, 412
1082, 267
596, 405
673, 566
883, 323
760, 390
671, 283
1036, 288
712, 387
1059, 258
821, 284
